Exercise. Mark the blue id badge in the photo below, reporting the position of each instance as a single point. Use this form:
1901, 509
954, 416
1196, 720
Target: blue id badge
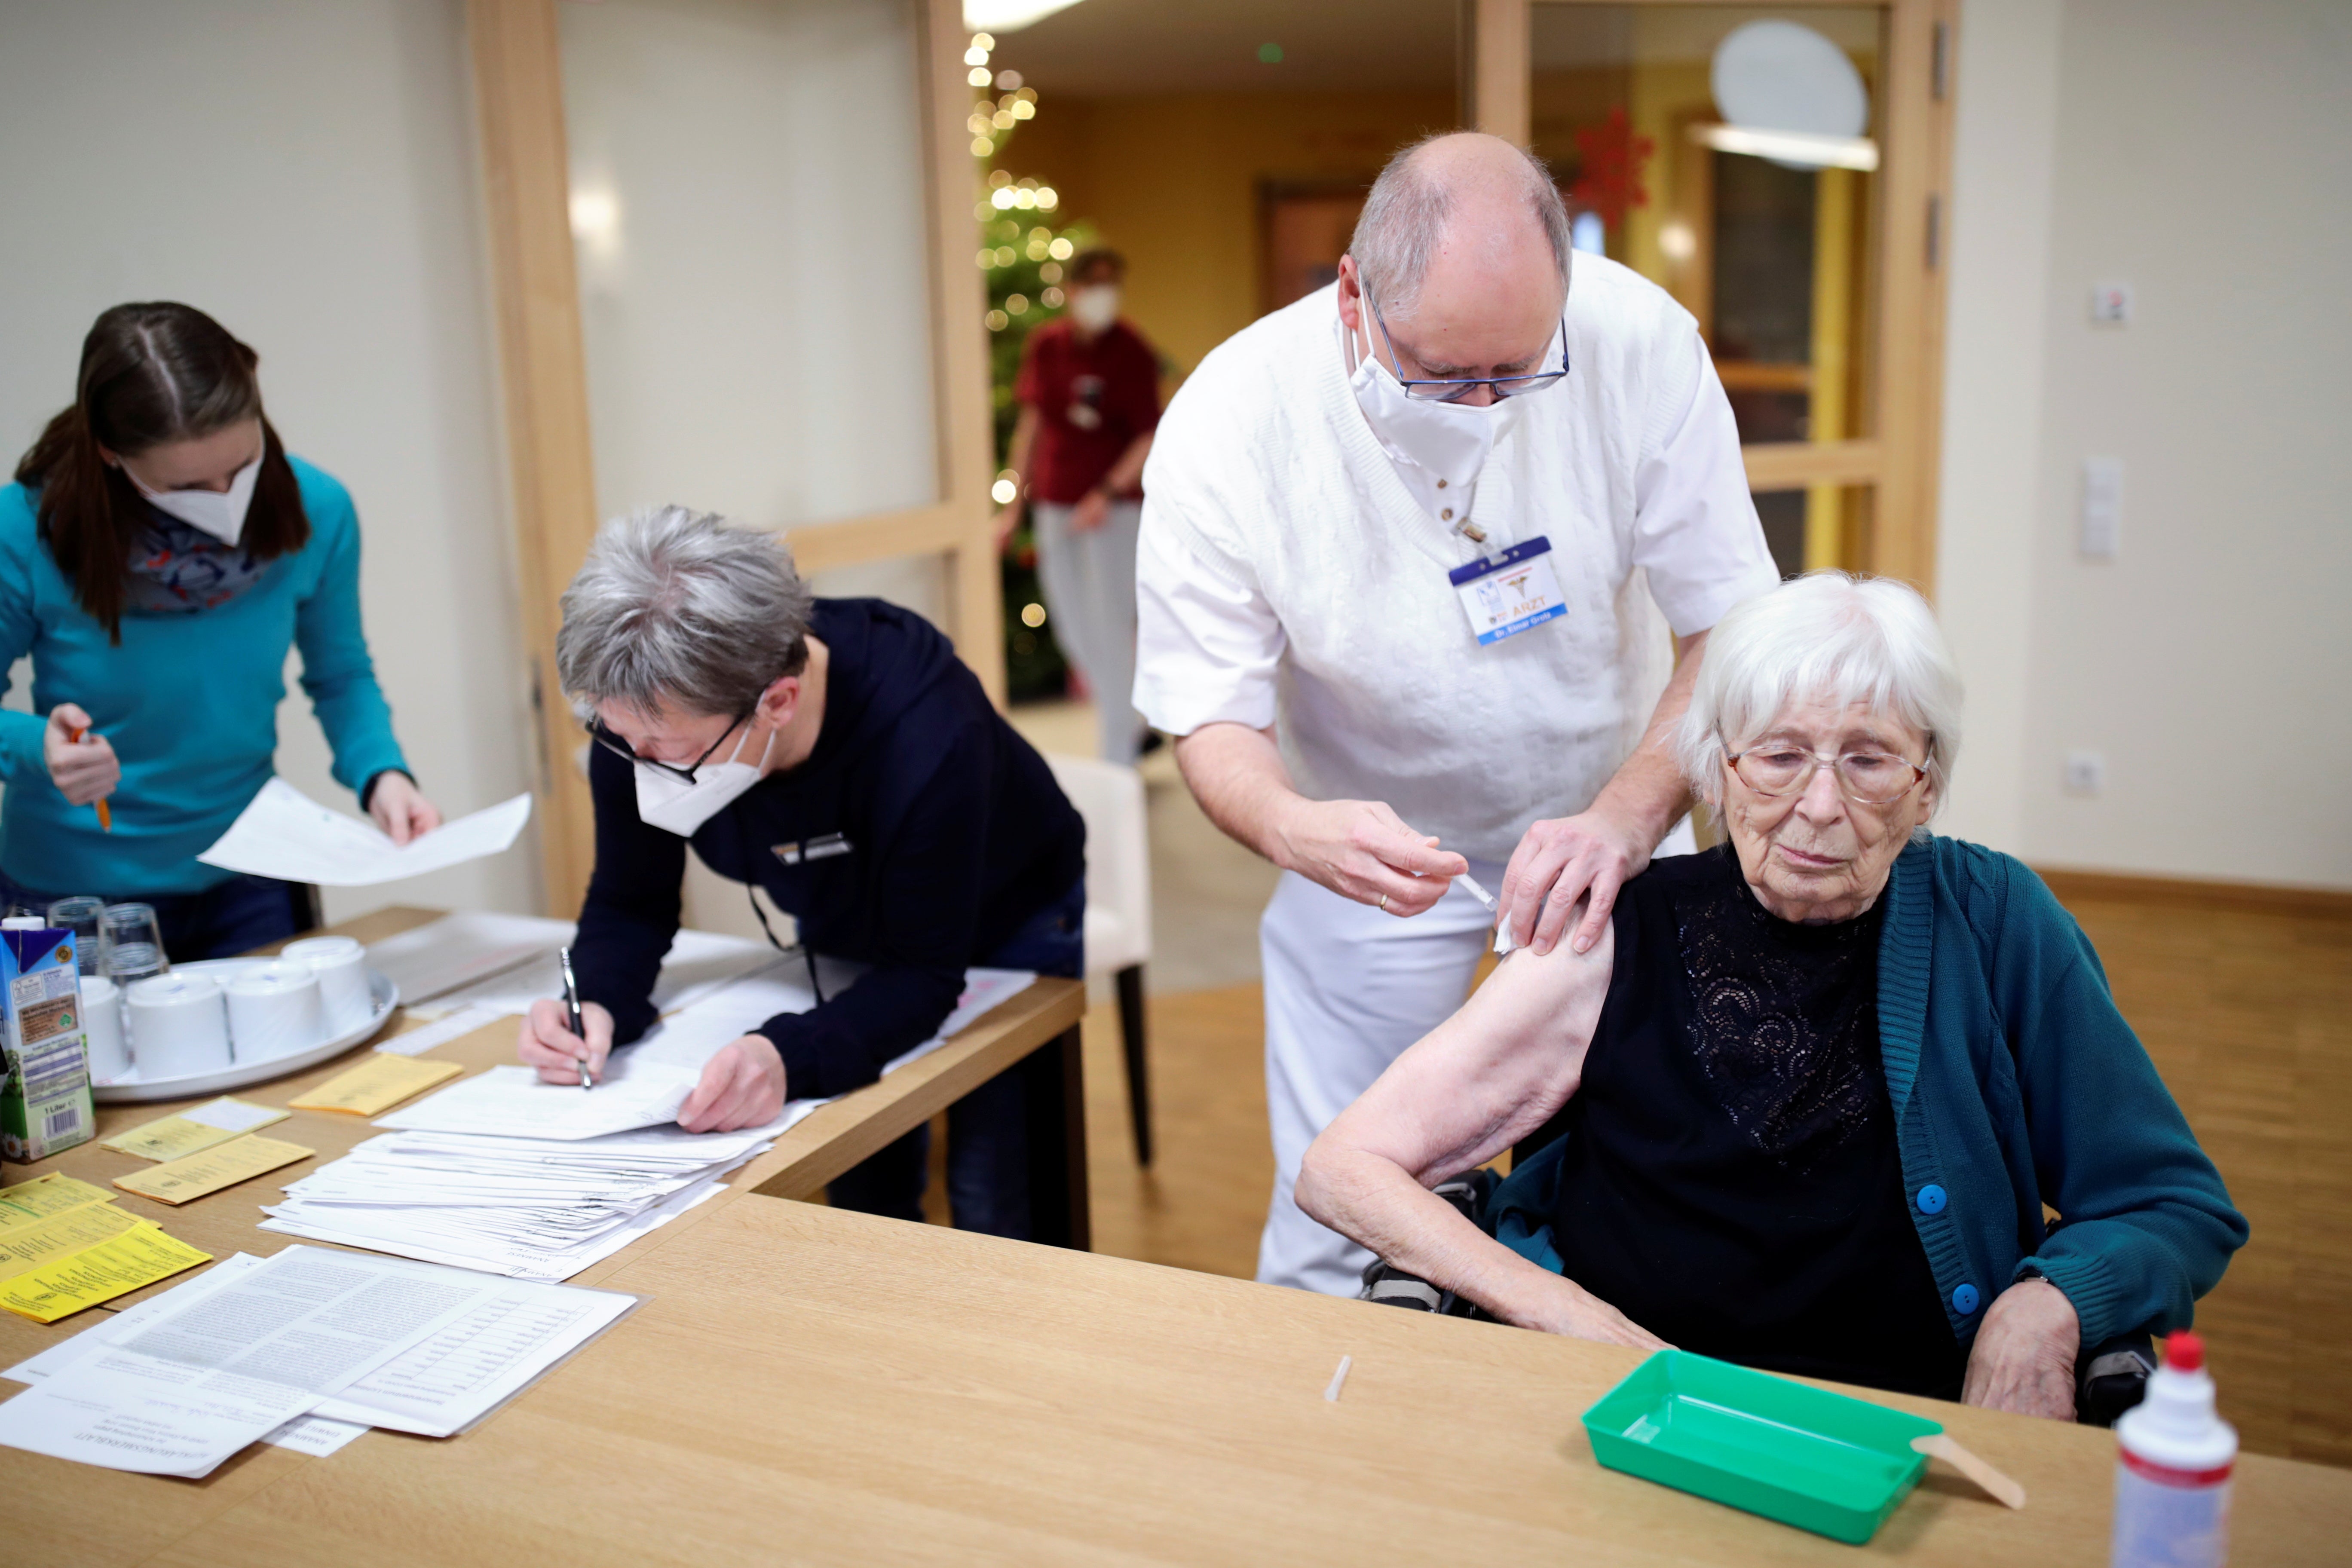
1505, 595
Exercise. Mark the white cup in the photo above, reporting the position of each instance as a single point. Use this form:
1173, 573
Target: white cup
274, 1010
179, 1026
342, 964
101, 1018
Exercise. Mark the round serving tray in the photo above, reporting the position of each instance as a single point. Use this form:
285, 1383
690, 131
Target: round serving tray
382, 993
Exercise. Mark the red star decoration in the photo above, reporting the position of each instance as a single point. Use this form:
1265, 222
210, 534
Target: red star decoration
1613, 160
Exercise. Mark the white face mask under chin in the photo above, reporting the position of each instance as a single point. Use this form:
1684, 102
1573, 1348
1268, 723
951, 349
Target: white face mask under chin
670, 803
1450, 439
209, 511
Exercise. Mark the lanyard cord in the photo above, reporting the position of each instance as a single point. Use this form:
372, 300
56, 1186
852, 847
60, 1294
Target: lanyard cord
752, 894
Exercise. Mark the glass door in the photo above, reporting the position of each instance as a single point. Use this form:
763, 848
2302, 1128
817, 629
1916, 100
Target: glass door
1764, 166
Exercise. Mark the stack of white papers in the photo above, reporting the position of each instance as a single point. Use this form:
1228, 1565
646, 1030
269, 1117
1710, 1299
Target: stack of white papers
466, 1362
503, 1173
528, 1208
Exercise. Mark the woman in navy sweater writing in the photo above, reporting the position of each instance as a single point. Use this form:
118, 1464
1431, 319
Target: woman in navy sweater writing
836, 754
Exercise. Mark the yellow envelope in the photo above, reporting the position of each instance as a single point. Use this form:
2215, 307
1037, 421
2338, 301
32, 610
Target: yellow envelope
199, 1127
378, 1084
61, 1236
139, 1257
29, 1203
193, 1176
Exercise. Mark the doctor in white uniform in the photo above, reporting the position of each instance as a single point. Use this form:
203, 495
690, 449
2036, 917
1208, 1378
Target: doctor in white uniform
1405, 545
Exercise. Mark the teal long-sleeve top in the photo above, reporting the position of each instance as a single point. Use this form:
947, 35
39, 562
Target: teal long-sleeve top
188, 701
2015, 1082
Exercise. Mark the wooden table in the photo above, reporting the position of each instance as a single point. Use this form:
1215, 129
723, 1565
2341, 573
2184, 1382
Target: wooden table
1034, 1033
804, 1385
809, 1386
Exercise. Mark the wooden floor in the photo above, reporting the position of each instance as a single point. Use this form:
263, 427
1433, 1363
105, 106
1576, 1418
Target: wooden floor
2249, 1017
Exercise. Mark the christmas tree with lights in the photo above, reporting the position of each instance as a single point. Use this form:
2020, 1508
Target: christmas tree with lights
1022, 250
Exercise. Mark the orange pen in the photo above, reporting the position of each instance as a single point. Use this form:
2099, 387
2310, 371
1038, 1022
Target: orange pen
105, 811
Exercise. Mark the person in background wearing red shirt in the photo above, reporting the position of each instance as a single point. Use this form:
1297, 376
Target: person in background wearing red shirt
1089, 394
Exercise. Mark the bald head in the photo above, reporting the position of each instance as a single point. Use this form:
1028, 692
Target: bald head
1461, 212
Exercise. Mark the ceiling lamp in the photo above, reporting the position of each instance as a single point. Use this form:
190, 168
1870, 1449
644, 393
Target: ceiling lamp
1009, 16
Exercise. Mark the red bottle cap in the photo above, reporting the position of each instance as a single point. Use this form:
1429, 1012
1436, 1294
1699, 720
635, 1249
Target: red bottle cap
2183, 1351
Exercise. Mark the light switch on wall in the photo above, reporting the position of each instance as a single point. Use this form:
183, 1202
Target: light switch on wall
2102, 508
2087, 773
2111, 304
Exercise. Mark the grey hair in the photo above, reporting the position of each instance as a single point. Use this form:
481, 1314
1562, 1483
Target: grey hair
1403, 222
682, 609
1826, 634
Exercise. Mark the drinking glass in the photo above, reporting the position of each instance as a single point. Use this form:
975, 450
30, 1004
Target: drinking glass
134, 943
86, 918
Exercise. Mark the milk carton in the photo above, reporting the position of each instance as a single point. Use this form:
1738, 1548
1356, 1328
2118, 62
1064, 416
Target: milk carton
44, 1106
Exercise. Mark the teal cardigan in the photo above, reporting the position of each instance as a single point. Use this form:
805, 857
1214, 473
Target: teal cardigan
188, 701
2015, 1082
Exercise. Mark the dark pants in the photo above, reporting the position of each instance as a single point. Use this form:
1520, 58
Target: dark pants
235, 916
988, 1134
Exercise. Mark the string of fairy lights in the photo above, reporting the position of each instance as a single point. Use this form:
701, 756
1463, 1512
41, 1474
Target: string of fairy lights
1009, 209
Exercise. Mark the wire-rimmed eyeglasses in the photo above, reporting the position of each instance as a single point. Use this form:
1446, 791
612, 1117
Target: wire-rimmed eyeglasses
1456, 389
1865, 778
622, 749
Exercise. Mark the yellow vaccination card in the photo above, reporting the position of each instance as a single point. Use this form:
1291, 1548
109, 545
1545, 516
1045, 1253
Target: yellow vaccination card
29, 1203
60, 1236
139, 1257
193, 1176
198, 1128
378, 1084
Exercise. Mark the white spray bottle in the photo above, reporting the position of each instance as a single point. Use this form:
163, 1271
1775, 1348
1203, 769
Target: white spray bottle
2172, 1477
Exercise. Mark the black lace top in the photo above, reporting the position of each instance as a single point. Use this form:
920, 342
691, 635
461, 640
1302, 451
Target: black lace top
1732, 1182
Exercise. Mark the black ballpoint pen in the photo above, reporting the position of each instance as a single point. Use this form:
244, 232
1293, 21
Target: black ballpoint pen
571, 1010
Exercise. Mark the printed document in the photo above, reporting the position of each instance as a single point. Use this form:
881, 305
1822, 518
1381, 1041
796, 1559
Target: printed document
179, 1393
285, 834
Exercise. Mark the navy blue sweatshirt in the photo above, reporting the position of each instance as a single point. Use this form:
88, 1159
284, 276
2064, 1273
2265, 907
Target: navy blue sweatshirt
918, 836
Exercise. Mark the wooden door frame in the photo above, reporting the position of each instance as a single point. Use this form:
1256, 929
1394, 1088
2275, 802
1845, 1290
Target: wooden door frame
1900, 461
518, 94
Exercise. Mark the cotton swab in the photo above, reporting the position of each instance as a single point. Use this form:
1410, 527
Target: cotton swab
1338, 1379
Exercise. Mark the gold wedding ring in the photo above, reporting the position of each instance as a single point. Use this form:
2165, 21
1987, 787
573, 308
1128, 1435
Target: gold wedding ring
1384, 903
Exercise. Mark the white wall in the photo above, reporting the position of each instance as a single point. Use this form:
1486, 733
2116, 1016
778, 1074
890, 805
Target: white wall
748, 213
306, 173
2202, 153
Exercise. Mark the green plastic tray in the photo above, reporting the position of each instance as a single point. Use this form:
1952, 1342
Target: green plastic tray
1803, 1456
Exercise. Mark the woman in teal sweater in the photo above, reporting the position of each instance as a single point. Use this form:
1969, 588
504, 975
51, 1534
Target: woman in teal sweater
1804, 1106
159, 553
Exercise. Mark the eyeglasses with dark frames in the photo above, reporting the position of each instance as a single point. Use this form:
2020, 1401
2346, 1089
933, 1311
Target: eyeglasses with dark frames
622, 750
1455, 390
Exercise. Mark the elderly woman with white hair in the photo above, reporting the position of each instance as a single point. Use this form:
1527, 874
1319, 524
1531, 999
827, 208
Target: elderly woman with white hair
1802, 1109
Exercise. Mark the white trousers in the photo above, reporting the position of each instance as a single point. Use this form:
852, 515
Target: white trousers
1089, 582
1348, 988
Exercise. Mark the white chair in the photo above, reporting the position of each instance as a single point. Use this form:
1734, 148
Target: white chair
1119, 905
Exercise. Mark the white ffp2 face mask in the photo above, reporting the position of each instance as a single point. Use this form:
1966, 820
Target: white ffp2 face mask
1095, 307
220, 514
1447, 438
670, 803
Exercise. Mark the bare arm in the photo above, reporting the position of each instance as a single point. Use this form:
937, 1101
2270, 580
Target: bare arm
1094, 507
1358, 848
1597, 850
1489, 1075
1016, 458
